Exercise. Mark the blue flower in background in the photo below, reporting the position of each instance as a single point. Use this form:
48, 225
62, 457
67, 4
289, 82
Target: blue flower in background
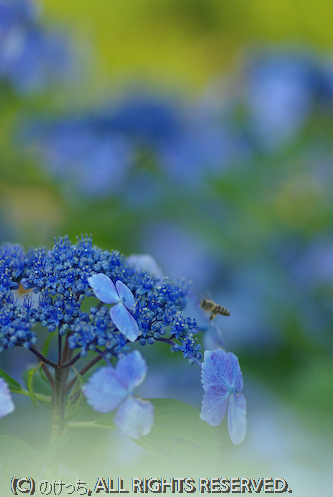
281, 92
86, 153
148, 119
30, 57
122, 297
222, 382
111, 388
6, 403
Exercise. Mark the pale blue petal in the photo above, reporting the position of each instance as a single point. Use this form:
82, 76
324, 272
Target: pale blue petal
145, 262
234, 371
237, 418
104, 392
214, 405
104, 288
135, 417
215, 370
6, 403
131, 370
125, 322
126, 295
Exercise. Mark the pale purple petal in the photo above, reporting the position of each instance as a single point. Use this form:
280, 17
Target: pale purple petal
6, 403
125, 322
125, 294
104, 288
214, 405
135, 417
234, 371
104, 392
237, 418
131, 370
215, 370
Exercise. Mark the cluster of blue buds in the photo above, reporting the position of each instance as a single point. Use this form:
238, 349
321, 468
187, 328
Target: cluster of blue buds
48, 288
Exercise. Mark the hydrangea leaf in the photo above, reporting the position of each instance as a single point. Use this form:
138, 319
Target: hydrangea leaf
30, 386
35, 464
105, 421
13, 385
179, 436
14, 455
75, 400
135, 417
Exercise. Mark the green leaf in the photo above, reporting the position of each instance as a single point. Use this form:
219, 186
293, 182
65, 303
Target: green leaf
105, 421
14, 386
42, 458
14, 454
30, 377
45, 348
179, 435
75, 400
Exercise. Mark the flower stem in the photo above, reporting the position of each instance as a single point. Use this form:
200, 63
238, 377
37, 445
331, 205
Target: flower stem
83, 370
57, 421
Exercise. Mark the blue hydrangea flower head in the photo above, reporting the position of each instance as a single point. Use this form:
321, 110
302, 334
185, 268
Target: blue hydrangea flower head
122, 297
57, 281
222, 382
111, 388
6, 403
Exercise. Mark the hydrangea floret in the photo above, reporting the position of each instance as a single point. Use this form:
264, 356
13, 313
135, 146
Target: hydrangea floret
67, 291
222, 382
122, 297
6, 402
111, 388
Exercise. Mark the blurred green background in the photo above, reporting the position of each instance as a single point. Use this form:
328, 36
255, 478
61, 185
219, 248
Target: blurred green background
254, 234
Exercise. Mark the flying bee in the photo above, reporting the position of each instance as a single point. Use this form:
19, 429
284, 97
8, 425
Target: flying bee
214, 309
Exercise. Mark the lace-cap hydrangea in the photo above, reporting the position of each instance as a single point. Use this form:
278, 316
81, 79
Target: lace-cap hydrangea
110, 388
222, 382
122, 297
6, 403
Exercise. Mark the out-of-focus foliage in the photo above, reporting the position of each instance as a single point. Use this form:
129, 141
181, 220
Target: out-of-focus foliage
204, 138
187, 42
